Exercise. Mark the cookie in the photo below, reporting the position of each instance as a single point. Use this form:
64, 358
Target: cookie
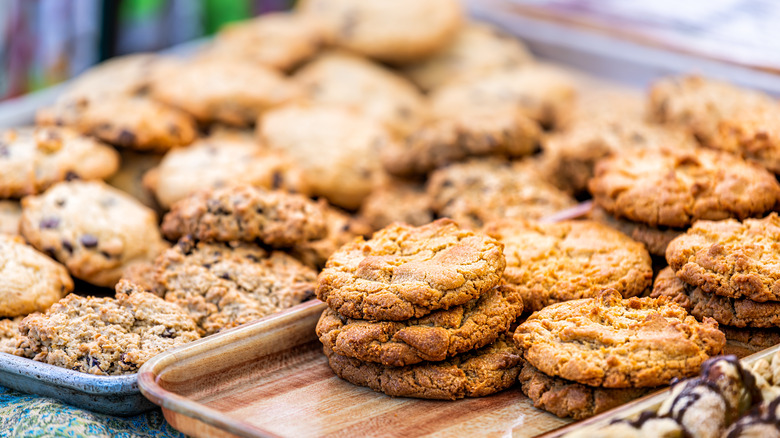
219, 160
31, 282
143, 275
675, 187
337, 149
477, 50
743, 342
242, 212
569, 399
405, 272
434, 337
10, 215
612, 342
555, 262
341, 229
339, 78
32, 159
655, 239
730, 258
474, 374
506, 133
753, 135
93, 229
9, 334
105, 336
479, 191
397, 32
129, 178
543, 93
234, 92
277, 40
222, 285
397, 201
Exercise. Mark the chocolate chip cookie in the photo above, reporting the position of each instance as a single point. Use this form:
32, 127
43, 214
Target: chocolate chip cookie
93, 229
612, 342
397, 201
405, 272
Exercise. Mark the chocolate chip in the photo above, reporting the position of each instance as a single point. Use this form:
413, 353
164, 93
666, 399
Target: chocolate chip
92, 361
276, 180
216, 207
106, 254
252, 258
67, 246
89, 241
49, 222
168, 333
225, 276
125, 138
50, 252
71, 175
207, 265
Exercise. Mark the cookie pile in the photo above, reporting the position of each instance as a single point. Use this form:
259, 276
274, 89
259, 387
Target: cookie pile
420, 312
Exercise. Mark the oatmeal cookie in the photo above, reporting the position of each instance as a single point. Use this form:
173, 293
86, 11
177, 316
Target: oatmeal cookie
477, 50
398, 32
9, 334
341, 229
29, 281
675, 187
105, 336
730, 258
93, 229
337, 149
10, 215
570, 399
242, 212
32, 159
338, 78
397, 201
222, 285
655, 239
405, 272
618, 343
219, 160
477, 373
479, 191
434, 337
554, 262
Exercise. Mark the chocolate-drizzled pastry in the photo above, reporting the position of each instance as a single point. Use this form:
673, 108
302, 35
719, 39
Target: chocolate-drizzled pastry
761, 422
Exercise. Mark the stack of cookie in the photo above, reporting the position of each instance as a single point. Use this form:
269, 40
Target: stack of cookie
420, 312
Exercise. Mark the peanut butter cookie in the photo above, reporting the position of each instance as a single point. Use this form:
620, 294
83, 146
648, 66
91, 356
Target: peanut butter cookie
397, 201
341, 229
655, 239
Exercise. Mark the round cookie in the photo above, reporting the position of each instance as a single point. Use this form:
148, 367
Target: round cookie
32, 159
675, 187
337, 149
612, 342
569, 399
93, 229
242, 212
106, 336
341, 229
338, 78
479, 191
31, 282
399, 31
397, 201
655, 239
404, 272
730, 258
478, 49
474, 374
10, 215
434, 337
223, 285
219, 160
554, 262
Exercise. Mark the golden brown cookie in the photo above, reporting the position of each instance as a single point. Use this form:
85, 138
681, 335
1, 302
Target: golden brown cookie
755, 135
473, 374
613, 342
674, 187
434, 337
405, 272
397, 201
655, 239
554, 262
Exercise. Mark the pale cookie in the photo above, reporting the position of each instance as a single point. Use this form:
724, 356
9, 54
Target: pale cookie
404, 272
554, 262
675, 187
397, 31
32, 159
106, 336
480, 191
338, 78
9, 334
612, 342
337, 149
473, 374
222, 285
29, 281
397, 201
434, 337
10, 215
341, 229
730, 258
93, 229
219, 160
655, 239
477, 50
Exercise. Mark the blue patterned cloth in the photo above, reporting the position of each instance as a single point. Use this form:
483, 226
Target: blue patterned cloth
29, 416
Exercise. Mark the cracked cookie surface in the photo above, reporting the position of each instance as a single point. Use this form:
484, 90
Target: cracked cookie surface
434, 337
612, 342
405, 272
554, 262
